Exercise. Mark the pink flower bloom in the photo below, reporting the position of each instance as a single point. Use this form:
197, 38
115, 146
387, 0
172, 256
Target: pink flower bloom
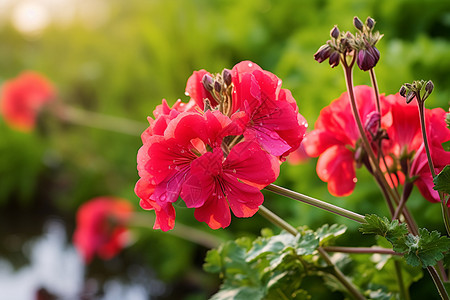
334, 140
437, 133
101, 227
23, 97
188, 160
268, 114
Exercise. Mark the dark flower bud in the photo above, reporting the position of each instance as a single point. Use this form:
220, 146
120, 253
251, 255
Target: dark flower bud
370, 22
334, 59
402, 91
323, 53
334, 33
429, 86
226, 75
410, 96
208, 82
357, 23
367, 58
217, 86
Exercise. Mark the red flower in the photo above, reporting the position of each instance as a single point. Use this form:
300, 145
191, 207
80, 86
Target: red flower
334, 140
268, 114
437, 133
23, 97
188, 160
101, 227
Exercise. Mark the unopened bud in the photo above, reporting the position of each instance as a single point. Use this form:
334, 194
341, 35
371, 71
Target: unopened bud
370, 22
357, 23
410, 96
208, 82
217, 86
367, 58
429, 86
226, 75
402, 91
334, 59
323, 53
334, 33
372, 122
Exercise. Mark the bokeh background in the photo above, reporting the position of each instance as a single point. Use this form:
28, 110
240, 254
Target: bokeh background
121, 58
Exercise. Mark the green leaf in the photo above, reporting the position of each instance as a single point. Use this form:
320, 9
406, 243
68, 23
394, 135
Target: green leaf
239, 293
446, 146
328, 233
307, 244
393, 231
212, 261
442, 180
427, 248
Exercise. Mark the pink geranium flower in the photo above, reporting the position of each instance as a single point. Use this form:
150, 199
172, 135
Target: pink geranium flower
266, 113
334, 140
23, 97
189, 161
438, 133
102, 227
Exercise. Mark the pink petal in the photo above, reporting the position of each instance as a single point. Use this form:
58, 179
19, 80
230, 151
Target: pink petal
269, 140
244, 199
215, 212
336, 166
196, 90
247, 161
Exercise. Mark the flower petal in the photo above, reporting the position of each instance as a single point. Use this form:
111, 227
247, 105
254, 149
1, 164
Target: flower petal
244, 199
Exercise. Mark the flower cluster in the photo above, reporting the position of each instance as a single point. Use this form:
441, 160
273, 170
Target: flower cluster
217, 151
335, 139
102, 227
23, 97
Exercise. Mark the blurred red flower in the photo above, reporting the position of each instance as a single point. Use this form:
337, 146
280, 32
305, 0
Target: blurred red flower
334, 140
22, 98
102, 227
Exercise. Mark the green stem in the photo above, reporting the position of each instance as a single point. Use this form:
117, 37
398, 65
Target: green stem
404, 293
316, 202
438, 282
361, 250
365, 141
100, 121
421, 106
276, 220
182, 231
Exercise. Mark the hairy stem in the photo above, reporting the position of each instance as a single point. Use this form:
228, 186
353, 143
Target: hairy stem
100, 121
445, 214
276, 220
316, 202
404, 293
361, 250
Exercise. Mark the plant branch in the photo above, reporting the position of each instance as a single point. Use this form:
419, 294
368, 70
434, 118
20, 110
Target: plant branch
276, 220
316, 202
361, 250
404, 293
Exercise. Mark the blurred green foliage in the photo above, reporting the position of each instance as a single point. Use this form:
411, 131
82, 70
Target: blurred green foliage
145, 51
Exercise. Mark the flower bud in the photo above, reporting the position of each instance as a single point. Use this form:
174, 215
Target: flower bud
334, 59
429, 86
402, 91
323, 53
226, 75
217, 86
208, 82
357, 23
370, 22
368, 58
334, 33
410, 96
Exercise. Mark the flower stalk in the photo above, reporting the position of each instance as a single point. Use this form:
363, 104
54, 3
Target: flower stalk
316, 202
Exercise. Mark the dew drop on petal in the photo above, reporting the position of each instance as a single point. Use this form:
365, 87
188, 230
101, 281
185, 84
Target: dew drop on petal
355, 180
250, 65
234, 171
182, 151
186, 93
